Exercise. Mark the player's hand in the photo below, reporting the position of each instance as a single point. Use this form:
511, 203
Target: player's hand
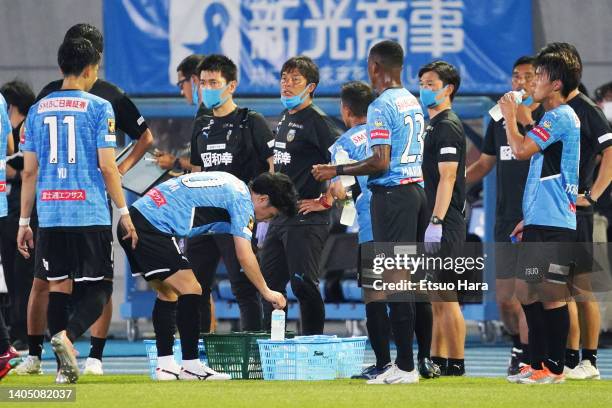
582, 202
508, 107
433, 237
322, 172
276, 298
518, 231
165, 160
25, 240
130, 231
310, 205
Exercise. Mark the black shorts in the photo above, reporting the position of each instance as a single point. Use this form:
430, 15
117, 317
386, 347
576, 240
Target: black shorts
584, 238
80, 254
546, 255
506, 253
399, 213
157, 254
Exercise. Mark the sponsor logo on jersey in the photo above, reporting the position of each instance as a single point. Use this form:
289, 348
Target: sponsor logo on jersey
541, 133
63, 104
378, 123
111, 125
157, 197
572, 207
63, 195
2, 186
290, 135
379, 134
448, 150
359, 138
406, 103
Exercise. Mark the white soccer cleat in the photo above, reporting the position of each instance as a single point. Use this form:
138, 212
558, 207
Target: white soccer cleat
202, 373
168, 372
396, 376
93, 366
31, 365
65, 353
60, 378
583, 371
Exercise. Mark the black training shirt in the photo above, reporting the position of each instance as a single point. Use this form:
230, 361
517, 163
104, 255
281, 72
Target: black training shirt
444, 140
239, 143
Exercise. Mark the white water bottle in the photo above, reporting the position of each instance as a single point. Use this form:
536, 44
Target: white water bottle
342, 157
278, 325
496, 112
348, 213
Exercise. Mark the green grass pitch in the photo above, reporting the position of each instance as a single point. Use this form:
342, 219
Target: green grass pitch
135, 391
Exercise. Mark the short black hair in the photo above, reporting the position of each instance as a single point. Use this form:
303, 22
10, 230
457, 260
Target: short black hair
390, 53
447, 72
76, 54
87, 31
305, 66
562, 66
601, 91
18, 93
219, 63
280, 189
561, 47
357, 96
525, 59
188, 66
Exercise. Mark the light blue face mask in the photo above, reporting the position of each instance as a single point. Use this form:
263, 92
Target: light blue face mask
293, 102
428, 97
194, 94
212, 97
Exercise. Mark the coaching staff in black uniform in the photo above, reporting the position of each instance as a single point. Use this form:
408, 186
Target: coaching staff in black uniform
444, 177
293, 245
238, 141
127, 119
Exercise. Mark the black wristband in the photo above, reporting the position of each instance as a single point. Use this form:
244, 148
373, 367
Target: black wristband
340, 170
587, 196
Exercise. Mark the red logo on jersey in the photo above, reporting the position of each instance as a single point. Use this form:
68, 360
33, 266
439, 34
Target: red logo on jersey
63, 195
541, 133
157, 197
572, 208
2, 186
22, 135
379, 134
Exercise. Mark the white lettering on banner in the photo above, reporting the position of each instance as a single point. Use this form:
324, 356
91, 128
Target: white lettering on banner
329, 21
272, 36
382, 22
282, 157
436, 27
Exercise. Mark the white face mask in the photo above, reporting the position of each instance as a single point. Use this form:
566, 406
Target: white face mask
607, 109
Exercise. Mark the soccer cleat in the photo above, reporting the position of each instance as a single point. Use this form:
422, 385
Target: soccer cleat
203, 373
524, 372
583, 371
428, 369
370, 372
93, 366
396, 376
5, 361
30, 365
61, 378
65, 353
514, 365
169, 372
543, 376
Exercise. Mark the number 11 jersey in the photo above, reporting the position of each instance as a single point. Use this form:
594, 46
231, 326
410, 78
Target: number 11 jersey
65, 130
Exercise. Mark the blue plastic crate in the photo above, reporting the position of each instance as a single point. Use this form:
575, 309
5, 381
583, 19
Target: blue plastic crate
299, 359
151, 348
351, 354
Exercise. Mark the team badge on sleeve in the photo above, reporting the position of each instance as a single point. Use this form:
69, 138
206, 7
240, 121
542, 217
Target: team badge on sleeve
111, 125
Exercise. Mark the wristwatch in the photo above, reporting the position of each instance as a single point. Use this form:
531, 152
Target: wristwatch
587, 196
436, 220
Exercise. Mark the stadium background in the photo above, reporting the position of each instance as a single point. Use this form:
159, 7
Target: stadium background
32, 31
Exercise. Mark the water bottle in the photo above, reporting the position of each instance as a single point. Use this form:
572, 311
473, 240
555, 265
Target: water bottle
495, 111
342, 157
278, 325
348, 213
